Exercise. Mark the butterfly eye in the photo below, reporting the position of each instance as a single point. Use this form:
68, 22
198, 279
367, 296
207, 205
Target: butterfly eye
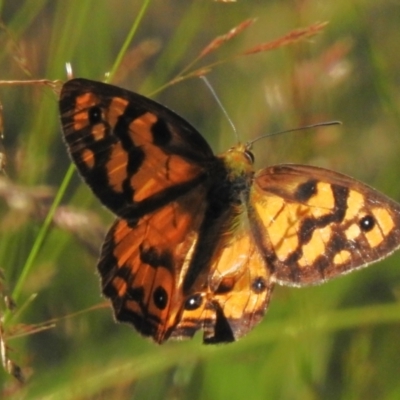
249, 155
94, 114
367, 223
193, 302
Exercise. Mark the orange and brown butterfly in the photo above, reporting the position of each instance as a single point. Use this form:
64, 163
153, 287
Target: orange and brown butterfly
200, 240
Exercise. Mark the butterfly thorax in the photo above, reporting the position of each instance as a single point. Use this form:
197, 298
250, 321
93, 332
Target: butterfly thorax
231, 189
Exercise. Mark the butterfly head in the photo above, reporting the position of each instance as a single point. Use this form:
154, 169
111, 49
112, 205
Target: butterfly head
239, 160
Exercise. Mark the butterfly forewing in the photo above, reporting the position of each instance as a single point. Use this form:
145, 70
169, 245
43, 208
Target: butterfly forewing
314, 224
134, 153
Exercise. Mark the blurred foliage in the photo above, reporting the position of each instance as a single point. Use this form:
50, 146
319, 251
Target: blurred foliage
338, 340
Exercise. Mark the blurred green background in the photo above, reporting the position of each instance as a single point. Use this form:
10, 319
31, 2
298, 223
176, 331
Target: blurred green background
337, 340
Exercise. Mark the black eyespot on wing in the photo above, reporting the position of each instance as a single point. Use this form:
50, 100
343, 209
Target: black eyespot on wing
193, 302
367, 223
94, 114
160, 298
258, 285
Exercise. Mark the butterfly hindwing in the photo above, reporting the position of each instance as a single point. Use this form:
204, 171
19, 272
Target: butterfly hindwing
314, 224
238, 290
143, 261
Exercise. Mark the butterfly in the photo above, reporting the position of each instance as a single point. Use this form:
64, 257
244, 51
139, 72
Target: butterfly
200, 240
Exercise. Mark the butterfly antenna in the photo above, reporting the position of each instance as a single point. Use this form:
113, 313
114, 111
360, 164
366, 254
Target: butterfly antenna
301, 128
208, 84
